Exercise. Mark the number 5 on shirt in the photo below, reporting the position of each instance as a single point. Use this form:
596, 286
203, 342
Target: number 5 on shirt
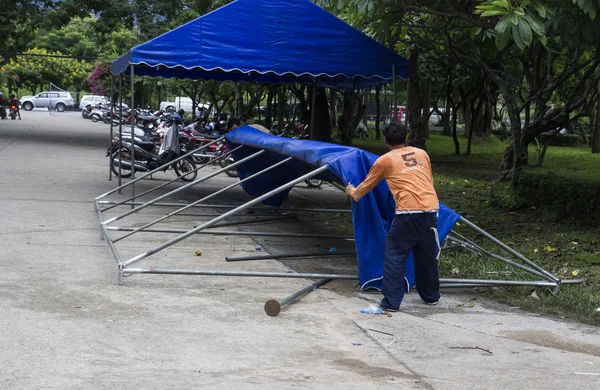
409, 162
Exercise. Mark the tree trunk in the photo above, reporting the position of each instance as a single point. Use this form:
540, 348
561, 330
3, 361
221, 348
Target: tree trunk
360, 112
454, 135
474, 112
446, 117
281, 92
322, 125
426, 108
377, 113
345, 122
332, 113
596, 137
414, 106
272, 90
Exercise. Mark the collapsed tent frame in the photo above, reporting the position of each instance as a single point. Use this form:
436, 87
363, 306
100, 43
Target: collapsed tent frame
125, 265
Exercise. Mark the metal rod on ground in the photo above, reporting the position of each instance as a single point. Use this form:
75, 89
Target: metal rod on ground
112, 247
207, 197
250, 222
226, 215
226, 232
538, 283
273, 307
289, 256
293, 275
228, 206
508, 284
197, 181
133, 120
111, 107
475, 247
169, 181
509, 249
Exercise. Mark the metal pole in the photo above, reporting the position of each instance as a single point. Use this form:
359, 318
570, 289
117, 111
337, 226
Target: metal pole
111, 92
132, 119
205, 198
394, 101
229, 206
487, 282
227, 214
289, 256
312, 109
508, 249
168, 194
476, 247
273, 307
225, 232
252, 222
120, 128
161, 167
162, 271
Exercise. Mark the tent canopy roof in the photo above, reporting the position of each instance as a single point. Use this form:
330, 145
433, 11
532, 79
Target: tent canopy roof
267, 41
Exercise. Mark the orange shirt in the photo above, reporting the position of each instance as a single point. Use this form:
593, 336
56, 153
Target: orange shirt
407, 171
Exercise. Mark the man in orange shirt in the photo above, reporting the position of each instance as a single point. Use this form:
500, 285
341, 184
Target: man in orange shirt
407, 171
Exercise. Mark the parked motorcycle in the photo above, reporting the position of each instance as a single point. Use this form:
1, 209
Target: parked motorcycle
147, 157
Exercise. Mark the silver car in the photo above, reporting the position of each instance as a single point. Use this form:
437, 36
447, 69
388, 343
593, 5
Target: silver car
57, 100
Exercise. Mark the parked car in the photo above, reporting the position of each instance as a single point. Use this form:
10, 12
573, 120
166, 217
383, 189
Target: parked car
91, 100
182, 102
57, 100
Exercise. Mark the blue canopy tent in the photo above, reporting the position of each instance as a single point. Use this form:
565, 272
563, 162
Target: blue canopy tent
274, 41
371, 216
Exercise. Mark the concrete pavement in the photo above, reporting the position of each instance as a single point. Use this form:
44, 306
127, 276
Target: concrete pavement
66, 324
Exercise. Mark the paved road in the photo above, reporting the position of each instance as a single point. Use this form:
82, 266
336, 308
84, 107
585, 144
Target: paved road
65, 324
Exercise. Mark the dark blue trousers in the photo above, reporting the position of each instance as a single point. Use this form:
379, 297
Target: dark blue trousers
416, 232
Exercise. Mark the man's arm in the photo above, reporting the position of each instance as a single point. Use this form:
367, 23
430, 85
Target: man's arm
376, 174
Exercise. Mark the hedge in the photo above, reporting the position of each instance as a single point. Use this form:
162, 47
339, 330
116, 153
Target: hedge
559, 139
568, 198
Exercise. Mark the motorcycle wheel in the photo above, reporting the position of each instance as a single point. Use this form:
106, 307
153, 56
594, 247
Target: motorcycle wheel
13, 116
125, 172
233, 172
94, 118
314, 183
364, 135
184, 166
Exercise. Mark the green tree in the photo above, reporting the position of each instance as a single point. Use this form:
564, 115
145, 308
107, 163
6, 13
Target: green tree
38, 67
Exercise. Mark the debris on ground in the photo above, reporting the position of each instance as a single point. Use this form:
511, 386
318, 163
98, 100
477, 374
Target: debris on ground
197, 252
475, 347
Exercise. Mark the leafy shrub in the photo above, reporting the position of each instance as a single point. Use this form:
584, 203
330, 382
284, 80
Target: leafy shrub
568, 198
559, 139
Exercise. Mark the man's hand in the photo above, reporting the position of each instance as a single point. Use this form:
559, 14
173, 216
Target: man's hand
349, 189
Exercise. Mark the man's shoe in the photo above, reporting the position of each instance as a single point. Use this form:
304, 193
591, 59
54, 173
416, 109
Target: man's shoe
432, 303
383, 308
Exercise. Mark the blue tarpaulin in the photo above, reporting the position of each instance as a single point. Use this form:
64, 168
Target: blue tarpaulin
267, 41
371, 216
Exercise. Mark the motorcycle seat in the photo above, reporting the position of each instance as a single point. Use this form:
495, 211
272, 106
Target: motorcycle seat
146, 145
207, 135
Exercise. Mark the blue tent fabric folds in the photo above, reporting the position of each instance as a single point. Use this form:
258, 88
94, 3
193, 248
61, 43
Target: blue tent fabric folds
269, 41
371, 216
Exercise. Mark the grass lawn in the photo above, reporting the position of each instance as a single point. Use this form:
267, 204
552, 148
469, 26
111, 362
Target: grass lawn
565, 248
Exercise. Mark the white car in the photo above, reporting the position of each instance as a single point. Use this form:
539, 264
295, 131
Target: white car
91, 100
51, 99
182, 102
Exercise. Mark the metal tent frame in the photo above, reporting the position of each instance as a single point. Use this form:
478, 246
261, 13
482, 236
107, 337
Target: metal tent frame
124, 266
